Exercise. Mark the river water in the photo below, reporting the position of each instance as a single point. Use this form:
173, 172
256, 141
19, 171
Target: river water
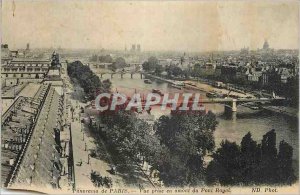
232, 127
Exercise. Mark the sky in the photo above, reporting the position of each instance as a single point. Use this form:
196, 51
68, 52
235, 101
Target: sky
156, 25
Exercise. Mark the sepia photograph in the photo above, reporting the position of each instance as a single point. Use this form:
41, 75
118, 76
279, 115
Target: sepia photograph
150, 97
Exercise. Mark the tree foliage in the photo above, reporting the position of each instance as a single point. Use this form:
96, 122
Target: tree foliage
174, 71
106, 59
119, 63
130, 136
102, 58
292, 90
197, 70
152, 65
185, 140
252, 163
89, 81
226, 164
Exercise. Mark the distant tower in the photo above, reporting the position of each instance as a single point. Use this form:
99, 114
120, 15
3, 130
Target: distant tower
266, 45
138, 47
27, 46
125, 48
4, 45
133, 47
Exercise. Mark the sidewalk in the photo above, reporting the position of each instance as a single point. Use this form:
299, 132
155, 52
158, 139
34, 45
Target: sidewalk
81, 146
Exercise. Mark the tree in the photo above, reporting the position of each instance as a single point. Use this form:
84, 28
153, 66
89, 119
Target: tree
119, 63
152, 64
106, 85
186, 138
153, 61
250, 157
158, 70
292, 90
285, 168
197, 70
251, 163
146, 66
88, 80
106, 59
174, 71
94, 58
186, 73
177, 71
268, 165
130, 136
225, 165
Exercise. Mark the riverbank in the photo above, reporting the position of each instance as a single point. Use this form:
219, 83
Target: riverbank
288, 111
158, 78
195, 85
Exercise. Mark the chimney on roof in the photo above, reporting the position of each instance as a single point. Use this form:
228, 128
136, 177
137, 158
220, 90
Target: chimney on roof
11, 161
32, 166
29, 180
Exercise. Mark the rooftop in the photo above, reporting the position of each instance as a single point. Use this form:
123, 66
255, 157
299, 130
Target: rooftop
30, 60
40, 165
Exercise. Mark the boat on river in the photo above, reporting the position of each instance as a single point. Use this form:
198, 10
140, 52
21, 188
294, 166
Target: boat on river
176, 86
213, 94
147, 81
157, 91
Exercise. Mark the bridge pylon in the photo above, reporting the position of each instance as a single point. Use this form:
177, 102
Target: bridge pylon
230, 106
233, 106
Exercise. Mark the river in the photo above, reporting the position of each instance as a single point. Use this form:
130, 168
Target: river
233, 127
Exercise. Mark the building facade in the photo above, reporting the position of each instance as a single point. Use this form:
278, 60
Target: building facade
18, 71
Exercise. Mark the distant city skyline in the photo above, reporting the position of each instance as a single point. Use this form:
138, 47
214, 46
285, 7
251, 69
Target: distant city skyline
192, 26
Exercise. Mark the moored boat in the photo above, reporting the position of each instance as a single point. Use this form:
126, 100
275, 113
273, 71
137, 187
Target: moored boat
157, 91
147, 81
176, 86
212, 95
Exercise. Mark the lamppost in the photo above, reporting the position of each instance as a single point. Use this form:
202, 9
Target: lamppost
72, 111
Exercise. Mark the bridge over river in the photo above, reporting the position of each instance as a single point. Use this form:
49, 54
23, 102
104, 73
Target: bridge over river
232, 103
122, 73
